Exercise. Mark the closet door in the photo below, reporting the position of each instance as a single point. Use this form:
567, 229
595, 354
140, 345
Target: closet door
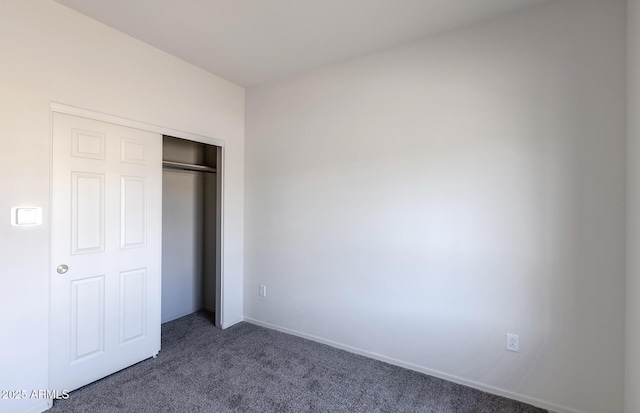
105, 249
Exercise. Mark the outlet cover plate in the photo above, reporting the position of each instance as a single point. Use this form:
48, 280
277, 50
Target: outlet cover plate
513, 342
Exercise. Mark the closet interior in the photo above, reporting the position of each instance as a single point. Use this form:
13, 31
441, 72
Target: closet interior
190, 228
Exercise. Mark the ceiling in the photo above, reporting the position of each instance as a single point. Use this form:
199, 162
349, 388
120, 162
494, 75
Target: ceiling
252, 42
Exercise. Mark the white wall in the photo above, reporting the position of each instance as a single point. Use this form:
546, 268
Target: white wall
50, 53
421, 202
182, 243
632, 361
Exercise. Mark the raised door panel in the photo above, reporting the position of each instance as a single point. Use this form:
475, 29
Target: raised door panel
133, 151
133, 304
87, 318
133, 216
87, 212
87, 144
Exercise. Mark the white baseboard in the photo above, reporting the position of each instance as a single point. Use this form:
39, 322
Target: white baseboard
41, 407
233, 322
177, 316
551, 407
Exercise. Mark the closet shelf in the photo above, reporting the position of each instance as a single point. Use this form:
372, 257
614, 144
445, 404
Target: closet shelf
187, 167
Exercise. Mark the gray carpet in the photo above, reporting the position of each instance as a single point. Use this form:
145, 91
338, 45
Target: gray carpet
247, 368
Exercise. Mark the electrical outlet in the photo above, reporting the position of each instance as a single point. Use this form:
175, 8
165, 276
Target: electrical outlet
513, 342
263, 290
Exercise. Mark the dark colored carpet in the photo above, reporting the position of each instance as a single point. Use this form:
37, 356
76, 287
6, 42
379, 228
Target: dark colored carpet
247, 368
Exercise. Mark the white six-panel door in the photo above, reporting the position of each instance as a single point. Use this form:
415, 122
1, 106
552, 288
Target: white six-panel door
105, 249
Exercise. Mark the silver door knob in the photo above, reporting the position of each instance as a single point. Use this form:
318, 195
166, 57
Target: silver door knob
62, 269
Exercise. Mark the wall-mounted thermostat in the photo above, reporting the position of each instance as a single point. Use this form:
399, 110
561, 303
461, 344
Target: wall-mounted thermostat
26, 216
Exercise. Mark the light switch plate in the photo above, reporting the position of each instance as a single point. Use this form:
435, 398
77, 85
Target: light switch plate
26, 216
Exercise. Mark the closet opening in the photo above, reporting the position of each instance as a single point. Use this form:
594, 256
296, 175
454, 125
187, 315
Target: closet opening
191, 229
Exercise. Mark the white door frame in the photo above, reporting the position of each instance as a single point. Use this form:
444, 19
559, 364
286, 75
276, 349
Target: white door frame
84, 113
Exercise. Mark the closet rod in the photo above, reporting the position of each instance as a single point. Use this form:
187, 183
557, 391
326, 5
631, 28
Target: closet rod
188, 167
